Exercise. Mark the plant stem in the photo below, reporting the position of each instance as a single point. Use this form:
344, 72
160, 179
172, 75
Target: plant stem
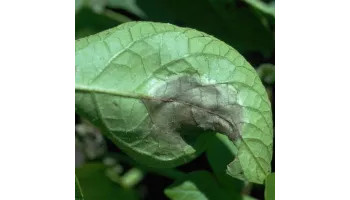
247, 189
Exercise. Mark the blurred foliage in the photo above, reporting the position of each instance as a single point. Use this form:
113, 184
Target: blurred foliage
267, 73
78, 194
96, 185
90, 141
231, 21
246, 25
197, 185
87, 22
221, 145
201, 185
270, 187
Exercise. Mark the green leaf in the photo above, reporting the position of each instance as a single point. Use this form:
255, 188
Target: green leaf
78, 193
245, 197
266, 8
231, 21
128, 5
98, 6
96, 185
158, 90
87, 23
78, 5
270, 187
128, 180
198, 185
220, 153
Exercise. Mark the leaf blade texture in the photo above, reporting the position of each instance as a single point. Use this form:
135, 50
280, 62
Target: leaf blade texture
158, 90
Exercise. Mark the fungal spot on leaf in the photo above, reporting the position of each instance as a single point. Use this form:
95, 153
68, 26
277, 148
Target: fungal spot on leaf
163, 121
185, 107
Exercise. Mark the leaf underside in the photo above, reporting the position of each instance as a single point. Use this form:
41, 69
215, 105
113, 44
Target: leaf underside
157, 90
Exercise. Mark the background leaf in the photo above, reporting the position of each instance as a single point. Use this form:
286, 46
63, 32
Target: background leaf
128, 5
266, 8
220, 153
199, 185
123, 76
78, 5
96, 185
88, 23
270, 187
232, 21
78, 193
97, 6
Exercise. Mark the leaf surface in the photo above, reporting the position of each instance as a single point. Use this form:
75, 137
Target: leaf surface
158, 90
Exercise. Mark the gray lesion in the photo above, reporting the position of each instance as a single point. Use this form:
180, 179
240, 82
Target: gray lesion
184, 105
